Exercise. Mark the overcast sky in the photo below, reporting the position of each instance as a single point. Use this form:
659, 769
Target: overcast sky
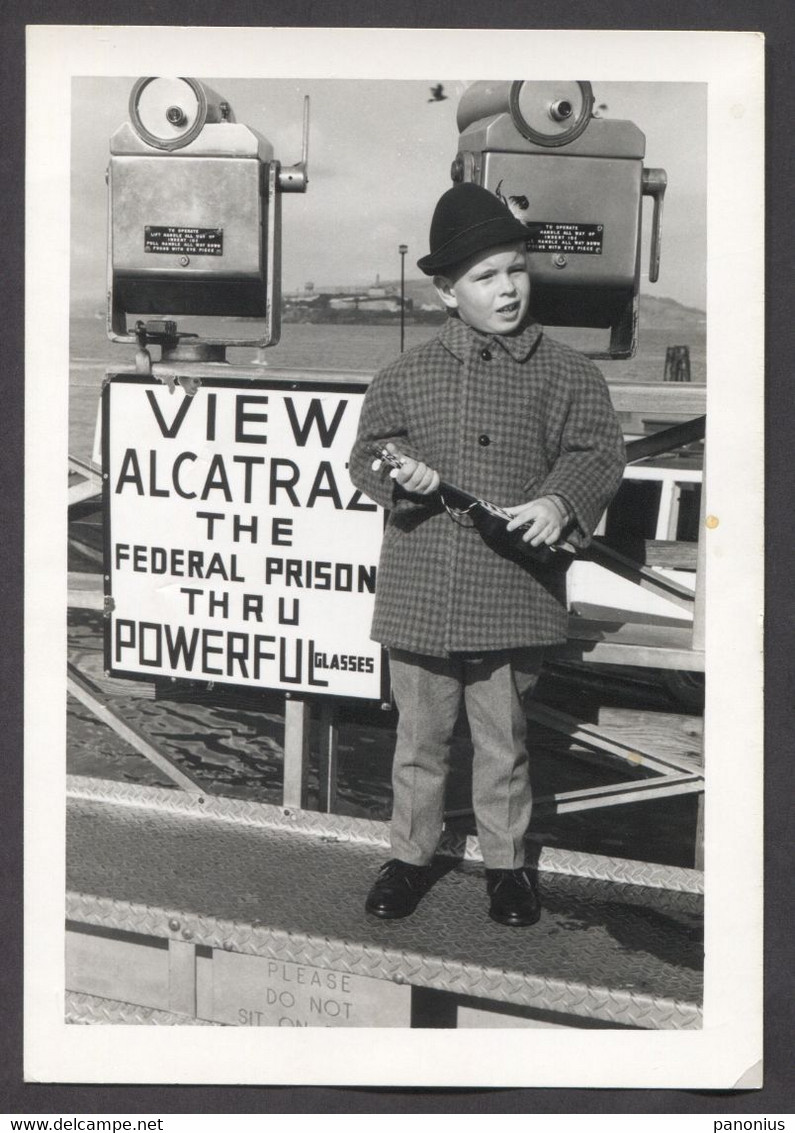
379, 158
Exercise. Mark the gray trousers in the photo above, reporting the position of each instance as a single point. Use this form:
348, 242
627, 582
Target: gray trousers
428, 693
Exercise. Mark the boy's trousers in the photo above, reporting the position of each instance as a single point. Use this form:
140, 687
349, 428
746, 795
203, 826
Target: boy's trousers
428, 693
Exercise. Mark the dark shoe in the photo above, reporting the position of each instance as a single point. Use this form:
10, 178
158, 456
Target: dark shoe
514, 896
398, 890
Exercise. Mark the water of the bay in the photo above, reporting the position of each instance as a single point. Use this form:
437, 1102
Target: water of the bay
361, 347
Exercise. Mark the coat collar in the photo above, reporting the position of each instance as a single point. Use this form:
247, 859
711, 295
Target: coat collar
459, 339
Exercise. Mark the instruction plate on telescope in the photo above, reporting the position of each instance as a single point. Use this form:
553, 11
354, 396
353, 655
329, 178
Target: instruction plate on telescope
183, 241
574, 239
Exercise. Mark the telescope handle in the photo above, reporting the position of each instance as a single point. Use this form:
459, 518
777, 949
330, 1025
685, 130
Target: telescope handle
295, 178
653, 184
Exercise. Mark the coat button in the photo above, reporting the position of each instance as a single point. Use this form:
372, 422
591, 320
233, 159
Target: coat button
484, 439
485, 354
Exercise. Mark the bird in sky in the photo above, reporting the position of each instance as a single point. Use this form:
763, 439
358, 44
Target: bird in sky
438, 93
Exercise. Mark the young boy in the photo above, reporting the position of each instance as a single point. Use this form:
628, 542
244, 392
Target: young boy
494, 407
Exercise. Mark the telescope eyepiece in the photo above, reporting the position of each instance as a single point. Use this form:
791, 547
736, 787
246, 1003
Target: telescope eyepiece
176, 116
561, 110
169, 113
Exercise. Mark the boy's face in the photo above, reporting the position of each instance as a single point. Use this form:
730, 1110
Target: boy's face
491, 292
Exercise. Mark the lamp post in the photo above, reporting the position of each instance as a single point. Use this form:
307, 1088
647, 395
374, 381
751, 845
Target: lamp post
402, 248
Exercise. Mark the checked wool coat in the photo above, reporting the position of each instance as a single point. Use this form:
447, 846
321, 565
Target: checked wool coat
509, 419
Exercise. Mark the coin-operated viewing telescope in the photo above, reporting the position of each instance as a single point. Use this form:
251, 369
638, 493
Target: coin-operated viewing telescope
577, 182
194, 217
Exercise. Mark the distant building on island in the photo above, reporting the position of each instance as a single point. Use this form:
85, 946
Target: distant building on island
368, 304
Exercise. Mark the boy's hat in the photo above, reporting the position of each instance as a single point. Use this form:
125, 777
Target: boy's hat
468, 219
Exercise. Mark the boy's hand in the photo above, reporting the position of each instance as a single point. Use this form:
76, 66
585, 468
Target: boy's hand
545, 518
413, 475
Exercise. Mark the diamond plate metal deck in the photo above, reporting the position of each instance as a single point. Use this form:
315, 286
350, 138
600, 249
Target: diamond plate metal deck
291, 889
375, 833
80, 1008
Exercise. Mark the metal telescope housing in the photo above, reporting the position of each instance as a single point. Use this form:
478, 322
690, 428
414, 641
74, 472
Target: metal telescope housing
577, 182
194, 217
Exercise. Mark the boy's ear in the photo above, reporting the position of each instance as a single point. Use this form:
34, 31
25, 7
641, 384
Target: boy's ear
446, 291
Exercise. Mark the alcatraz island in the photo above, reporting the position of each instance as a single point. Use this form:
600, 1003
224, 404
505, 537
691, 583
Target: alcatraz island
374, 304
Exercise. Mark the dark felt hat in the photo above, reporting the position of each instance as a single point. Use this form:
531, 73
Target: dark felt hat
468, 219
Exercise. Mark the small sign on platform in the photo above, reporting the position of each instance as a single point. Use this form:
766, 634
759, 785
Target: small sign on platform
254, 991
237, 549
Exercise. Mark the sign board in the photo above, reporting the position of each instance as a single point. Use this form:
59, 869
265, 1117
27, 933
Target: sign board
169, 239
237, 550
255, 991
573, 239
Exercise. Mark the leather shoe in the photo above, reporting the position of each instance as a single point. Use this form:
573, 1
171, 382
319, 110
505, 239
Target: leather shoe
514, 897
398, 890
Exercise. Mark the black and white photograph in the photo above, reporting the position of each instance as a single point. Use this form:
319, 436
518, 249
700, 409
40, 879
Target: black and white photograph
401, 630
